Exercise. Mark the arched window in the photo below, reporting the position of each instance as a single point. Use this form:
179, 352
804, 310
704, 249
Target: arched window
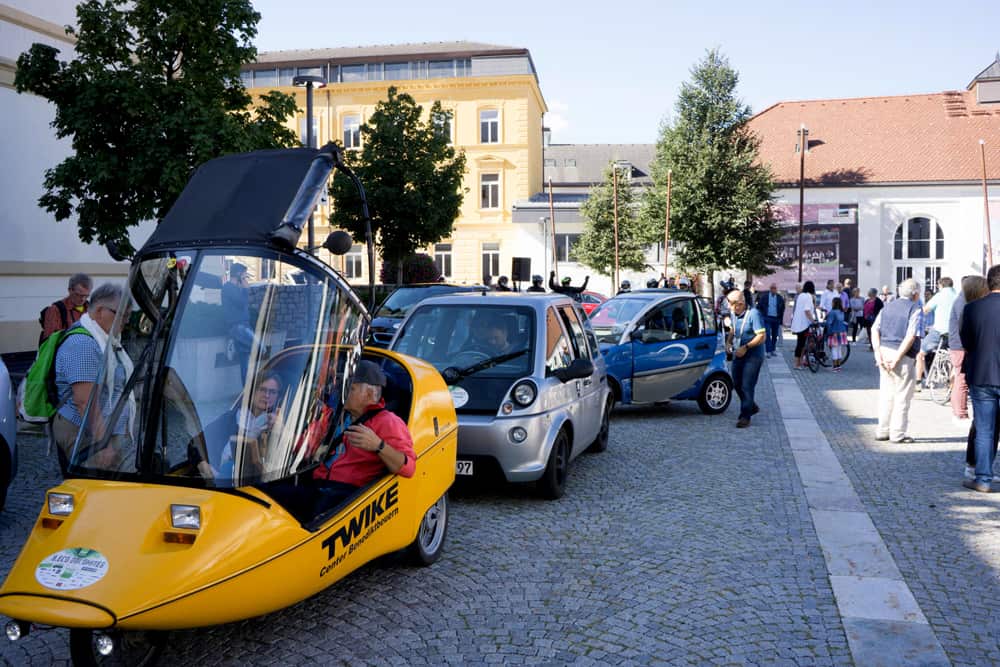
917, 238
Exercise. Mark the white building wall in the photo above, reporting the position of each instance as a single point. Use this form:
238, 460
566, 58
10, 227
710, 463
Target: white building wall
37, 254
958, 209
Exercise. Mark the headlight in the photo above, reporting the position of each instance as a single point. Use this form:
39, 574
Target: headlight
395, 325
60, 504
524, 394
185, 516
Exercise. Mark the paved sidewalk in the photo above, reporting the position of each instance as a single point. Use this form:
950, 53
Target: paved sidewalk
943, 538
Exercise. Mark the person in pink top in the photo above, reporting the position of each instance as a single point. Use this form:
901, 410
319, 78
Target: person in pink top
375, 441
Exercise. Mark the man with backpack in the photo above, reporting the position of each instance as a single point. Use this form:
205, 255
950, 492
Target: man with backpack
66, 312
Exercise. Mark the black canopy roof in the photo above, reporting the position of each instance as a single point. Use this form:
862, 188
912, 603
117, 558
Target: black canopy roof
234, 200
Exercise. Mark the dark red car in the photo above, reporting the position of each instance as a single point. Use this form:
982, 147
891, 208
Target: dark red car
591, 300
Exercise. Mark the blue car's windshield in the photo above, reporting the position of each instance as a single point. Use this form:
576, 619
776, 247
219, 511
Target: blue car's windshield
610, 319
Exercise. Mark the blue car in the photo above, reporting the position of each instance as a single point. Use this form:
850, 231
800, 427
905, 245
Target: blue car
661, 345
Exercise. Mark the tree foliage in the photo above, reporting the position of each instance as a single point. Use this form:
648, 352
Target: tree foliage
596, 246
153, 92
412, 177
720, 209
417, 268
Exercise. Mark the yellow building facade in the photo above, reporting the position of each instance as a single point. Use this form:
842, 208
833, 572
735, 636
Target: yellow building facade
496, 104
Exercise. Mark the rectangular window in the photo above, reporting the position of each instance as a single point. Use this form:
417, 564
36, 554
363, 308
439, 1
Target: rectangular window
419, 69
442, 125
265, 78
246, 78
558, 353
374, 71
489, 126
350, 73
570, 162
491, 259
352, 262
352, 131
440, 69
285, 76
489, 191
442, 258
550, 162
397, 71
564, 246
302, 131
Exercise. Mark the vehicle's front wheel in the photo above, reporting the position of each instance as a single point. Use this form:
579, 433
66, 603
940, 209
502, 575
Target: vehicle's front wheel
715, 395
427, 548
553, 481
600, 444
128, 648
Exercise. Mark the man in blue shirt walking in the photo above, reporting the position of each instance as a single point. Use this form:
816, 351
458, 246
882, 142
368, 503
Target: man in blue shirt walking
772, 306
748, 333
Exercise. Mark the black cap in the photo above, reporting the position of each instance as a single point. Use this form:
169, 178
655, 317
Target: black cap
368, 372
237, 269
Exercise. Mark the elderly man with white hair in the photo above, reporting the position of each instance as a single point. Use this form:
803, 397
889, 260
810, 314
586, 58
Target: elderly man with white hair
896, 340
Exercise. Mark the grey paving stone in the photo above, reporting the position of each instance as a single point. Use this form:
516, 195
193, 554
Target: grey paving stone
894, 644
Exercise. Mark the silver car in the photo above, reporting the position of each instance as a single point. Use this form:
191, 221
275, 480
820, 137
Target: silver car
527, 378
8, 433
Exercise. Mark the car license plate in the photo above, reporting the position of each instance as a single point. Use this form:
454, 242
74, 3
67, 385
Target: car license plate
463, 467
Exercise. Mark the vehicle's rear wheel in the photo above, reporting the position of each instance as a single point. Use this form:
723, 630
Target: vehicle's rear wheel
715, 395
429, 544
129, 648
811, 359
600, 444
553, 481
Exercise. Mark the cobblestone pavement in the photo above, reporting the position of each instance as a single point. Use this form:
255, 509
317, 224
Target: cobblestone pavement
943, 537
687, 542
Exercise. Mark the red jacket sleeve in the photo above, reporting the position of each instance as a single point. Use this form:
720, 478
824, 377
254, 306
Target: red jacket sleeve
392, 429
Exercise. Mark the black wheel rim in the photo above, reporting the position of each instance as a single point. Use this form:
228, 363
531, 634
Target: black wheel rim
562, 461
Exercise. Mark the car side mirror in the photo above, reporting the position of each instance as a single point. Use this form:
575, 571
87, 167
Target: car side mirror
577, 370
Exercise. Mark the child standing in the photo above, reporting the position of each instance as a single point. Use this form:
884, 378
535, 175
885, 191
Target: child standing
836, 330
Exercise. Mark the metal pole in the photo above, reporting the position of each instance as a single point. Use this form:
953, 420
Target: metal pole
309, 143
614, 180
552, 222
986, 209
666, 230
803, 133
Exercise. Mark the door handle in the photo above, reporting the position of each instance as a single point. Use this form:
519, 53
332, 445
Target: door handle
587, 382
701, 346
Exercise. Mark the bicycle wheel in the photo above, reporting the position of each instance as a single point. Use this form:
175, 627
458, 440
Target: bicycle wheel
939, 380
811, 359
847, 353
822, 355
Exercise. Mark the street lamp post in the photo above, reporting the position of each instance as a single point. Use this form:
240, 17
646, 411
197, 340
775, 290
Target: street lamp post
986, 209
309, 81
802, 147
614, 180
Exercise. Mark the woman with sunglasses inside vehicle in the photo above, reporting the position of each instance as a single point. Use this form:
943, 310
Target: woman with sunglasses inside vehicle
240, 433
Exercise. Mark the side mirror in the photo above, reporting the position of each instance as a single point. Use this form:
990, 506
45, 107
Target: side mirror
577, 370
338, 242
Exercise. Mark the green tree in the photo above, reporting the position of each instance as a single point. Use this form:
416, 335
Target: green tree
596, 247
154, 92
720, 208
412, 177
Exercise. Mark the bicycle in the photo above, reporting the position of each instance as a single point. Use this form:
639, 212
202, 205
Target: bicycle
939, 374
817, 349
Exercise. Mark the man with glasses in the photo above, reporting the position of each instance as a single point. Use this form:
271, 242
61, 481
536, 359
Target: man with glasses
748, 333
66, 312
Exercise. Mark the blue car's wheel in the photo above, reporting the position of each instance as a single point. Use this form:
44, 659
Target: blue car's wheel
715, 395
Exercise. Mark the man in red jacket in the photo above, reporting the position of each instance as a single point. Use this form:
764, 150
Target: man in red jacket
375, 441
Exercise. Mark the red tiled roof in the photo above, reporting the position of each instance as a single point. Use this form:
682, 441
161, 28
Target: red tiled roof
909, 138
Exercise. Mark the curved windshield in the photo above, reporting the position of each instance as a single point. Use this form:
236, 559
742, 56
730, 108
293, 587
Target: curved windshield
399, 303
611, 318
481, 348
236, 373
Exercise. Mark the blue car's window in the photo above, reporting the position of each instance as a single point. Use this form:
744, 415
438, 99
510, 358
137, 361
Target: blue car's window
610, 319
707, 316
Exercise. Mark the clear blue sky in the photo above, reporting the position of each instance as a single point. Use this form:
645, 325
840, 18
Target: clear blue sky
610, 71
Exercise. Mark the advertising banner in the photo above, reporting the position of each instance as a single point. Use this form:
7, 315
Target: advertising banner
829, 246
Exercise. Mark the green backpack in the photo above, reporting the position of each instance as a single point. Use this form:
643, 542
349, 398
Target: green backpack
38, 397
